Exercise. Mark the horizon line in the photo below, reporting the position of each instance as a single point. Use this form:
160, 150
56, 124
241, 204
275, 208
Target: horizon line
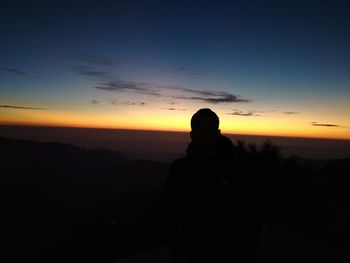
174, 131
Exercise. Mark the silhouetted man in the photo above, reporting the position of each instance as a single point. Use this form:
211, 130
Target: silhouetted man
206, 213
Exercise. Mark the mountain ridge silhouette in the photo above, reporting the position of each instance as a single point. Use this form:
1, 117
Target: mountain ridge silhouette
60, 199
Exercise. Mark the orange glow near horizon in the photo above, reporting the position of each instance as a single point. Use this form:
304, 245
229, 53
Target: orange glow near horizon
172, 121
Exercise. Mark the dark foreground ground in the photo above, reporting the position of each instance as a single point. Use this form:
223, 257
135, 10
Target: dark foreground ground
62, 203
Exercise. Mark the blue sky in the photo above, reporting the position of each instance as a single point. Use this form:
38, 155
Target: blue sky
146, 56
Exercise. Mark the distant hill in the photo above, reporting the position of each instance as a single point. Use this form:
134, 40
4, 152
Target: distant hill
60, 200
165, 146
97, 171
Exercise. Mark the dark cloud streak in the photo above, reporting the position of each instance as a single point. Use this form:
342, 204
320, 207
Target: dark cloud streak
114, 84
20, 107
174, 109
122, 85
211, 96
245, 114
129, 103
291, 112
227, 98
132, 103
17, 72
315, 123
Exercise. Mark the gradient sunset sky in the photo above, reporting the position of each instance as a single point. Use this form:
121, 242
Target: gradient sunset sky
265, 67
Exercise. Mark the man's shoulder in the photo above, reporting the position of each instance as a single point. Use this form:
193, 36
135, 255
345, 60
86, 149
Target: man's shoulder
179, 163
177, 172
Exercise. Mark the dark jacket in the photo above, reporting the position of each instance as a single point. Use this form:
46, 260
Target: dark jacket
205, 210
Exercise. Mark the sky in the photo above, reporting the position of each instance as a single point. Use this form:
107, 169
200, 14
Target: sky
265, 67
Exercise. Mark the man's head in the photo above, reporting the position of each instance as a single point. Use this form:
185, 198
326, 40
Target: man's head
205, 127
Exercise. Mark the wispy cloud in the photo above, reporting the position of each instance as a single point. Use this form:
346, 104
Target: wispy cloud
153, 89
211, 96
203, 92
17, 72
99, 60
21, 107
96, 74
134, 103
315, 123
174, 109
224, 98
122, 85
128, 103
242, 113
107, 82
125, 86
94, 102
14, 71
291, 112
